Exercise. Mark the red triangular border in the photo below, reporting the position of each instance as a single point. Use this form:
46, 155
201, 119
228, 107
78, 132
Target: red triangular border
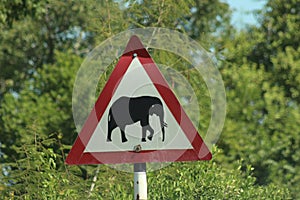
77, 155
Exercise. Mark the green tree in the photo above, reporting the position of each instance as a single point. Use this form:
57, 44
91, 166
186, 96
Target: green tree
14, 10
40, 174
42, 102
40, 49
201, 20
277, 48
261, 71
32, 39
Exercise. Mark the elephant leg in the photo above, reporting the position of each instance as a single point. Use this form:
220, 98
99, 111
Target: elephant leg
108, 139
144, 130
163, 133
151, 132
123, 136
111, 125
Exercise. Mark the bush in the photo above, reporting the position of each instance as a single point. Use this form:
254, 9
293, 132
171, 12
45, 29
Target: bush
42, 174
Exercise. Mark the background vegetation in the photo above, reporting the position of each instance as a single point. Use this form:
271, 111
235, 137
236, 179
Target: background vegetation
42, 44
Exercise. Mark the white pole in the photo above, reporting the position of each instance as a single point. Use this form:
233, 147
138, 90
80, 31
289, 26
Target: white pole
140, 181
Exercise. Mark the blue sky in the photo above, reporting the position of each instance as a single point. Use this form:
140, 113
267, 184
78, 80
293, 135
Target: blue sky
242, 11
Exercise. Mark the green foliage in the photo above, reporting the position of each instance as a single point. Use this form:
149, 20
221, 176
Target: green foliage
157, 13
41, 174
11, 10
279, 29
209, 16
106, 18
40, 45
200, 19
42, 102
32, 39
207, 180
261, 75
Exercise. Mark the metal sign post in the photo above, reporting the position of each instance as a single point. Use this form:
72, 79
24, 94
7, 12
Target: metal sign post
140, 181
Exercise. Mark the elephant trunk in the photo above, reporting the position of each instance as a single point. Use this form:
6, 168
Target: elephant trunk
163, 125
163, 133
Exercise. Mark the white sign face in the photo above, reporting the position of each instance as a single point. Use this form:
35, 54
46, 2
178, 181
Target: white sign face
136, 83
137, 118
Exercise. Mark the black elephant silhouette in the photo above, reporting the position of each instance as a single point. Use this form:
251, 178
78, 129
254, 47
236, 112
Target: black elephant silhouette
129, 110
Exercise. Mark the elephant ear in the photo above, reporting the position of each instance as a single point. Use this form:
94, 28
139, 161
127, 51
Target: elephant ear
156, 109
152, 110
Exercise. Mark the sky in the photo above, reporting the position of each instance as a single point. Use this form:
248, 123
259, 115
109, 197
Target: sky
242, 11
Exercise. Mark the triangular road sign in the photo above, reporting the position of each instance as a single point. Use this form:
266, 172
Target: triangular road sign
137, 118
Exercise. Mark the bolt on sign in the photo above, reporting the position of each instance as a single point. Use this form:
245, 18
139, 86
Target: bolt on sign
137, 118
